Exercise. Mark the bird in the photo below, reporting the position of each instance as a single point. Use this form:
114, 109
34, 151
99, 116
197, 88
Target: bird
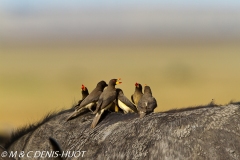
124, 103
114, 107
84, 92
84, 95
90, 100
137, 95
147, 103
106, 100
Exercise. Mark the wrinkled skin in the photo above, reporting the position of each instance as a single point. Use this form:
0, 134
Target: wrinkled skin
207, 132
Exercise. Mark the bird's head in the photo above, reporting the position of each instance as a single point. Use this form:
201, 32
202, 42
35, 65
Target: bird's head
83, 88
147, 89
102, 84
137, 84
114, 82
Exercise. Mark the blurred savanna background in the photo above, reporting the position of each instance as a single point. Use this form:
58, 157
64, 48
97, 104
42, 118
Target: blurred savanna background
188, 52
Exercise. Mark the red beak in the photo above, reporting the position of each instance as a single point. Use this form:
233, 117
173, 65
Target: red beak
136, 84
83, 87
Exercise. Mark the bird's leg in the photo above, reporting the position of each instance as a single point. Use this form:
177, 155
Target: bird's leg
90, 109
97, 109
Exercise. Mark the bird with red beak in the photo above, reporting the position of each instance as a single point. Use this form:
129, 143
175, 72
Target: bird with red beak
147, 103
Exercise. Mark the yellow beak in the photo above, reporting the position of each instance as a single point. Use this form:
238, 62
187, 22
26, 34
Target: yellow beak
118, 81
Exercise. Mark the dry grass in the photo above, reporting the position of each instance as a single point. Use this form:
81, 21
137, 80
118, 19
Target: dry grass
36, 80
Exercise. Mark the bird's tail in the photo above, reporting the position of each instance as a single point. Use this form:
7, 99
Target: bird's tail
74, 114
99, 103
97, 118
71, 116
142, 114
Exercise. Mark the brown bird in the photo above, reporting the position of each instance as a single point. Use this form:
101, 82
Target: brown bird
124, 103
84, 94
147, 103
90, 100
114, 107
105, 100
137, 95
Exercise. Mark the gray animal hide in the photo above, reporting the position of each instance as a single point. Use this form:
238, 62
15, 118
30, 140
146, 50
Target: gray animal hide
206, 132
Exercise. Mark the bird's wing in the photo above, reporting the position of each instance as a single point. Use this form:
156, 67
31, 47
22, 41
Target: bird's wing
142, 103
108, 98
127, 102
132, 99
97, 118
99, 103
92, 97
142, 106
96, 97
152, 104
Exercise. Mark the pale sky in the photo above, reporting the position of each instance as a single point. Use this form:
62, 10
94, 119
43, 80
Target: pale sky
109, 3
58, 19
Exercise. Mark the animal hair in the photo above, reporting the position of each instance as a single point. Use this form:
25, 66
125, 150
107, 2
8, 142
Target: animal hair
18, 133
177, 110
200, 132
